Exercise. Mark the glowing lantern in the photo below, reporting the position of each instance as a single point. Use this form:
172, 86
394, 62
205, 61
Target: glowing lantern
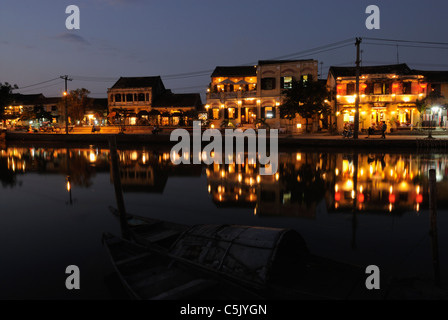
337, 196
361, 198
392, 198
419, 198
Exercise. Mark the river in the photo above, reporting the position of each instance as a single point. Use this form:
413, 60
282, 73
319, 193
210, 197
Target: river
359, 208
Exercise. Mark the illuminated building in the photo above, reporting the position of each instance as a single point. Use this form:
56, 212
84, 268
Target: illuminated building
244, 95
134, 98
387, 93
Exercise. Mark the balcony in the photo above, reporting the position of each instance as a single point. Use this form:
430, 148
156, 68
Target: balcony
232, 95
383, 98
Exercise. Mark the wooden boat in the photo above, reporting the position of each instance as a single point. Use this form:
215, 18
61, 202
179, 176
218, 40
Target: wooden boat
274, 263
148, 231
150, 275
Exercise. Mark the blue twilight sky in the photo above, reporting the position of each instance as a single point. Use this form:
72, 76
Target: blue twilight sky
172, 37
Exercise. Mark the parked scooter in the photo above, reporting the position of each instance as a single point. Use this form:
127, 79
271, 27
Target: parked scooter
347, 133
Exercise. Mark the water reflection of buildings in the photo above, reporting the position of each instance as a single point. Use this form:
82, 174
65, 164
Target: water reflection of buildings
148, 171
376, 183
82, 163
295, 190
385, 182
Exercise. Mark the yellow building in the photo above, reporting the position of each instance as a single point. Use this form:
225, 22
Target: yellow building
387, 93
247, 96
133, 98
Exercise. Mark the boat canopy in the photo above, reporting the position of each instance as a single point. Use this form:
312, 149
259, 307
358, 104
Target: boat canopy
251, 254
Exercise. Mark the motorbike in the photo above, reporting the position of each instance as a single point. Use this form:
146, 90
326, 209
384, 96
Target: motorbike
347, 133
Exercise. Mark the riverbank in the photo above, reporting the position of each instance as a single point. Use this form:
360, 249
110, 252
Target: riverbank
324, 140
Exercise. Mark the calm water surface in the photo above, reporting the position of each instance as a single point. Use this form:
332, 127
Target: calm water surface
358, 208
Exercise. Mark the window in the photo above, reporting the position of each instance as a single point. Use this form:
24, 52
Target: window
54, 108
147, 97
129, 97
232, 113
270, 112
141, 97
435, 87
118, 97
229, 88
407, 87
378, 88
268, 83
305, 78
350, 88
215, 113
286, 82
369, 88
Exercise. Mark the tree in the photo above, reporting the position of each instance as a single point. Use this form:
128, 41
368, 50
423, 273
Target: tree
306, 98
431, 100
77, 103
6, 97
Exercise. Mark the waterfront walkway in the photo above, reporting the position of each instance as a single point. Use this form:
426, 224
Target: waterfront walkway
413, 142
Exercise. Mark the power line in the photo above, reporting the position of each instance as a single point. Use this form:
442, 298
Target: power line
36, 84
310, 51
404, 46
408, 41
203, 73
34, 89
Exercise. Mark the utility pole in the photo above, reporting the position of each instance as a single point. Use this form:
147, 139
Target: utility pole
66, 78
358, 61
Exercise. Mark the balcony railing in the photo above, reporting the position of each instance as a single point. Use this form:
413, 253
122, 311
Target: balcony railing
389, 98
232, 95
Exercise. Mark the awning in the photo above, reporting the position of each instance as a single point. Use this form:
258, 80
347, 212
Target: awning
143, 113
227, 81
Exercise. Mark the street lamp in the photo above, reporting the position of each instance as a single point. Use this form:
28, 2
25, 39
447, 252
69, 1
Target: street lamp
66, 112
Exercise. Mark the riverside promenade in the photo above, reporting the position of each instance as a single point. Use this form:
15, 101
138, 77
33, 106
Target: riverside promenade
413, 141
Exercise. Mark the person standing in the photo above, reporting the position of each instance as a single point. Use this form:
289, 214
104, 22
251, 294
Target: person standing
383, 130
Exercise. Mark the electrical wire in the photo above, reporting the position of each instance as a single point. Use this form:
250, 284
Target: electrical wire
404, 46
36, 84
407, 41
34, 89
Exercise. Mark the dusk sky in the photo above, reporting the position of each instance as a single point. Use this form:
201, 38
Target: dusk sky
149, 38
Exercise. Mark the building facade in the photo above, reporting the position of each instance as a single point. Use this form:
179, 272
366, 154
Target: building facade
141, 100
251, 96
29, 109
388, 93
134, 94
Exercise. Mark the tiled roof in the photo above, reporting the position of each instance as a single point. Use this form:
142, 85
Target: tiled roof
433, 76
237, 71
178, 100
28, 99
138, 82
399, 69
52, 100
268, 62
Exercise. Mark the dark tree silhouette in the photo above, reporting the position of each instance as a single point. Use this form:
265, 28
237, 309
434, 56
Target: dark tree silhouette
306, 98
